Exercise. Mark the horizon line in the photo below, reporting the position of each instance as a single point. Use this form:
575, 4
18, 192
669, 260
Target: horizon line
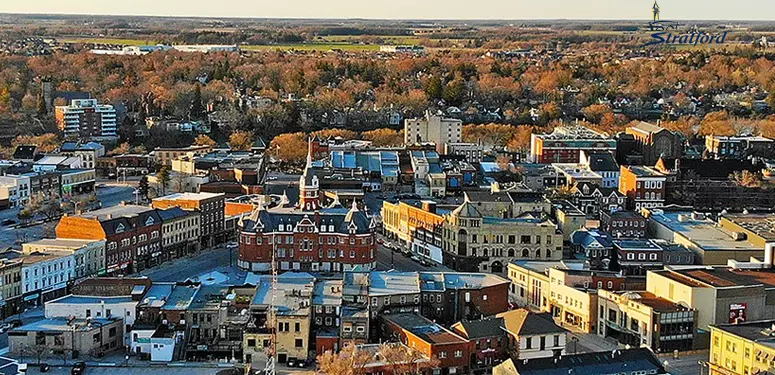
375, 19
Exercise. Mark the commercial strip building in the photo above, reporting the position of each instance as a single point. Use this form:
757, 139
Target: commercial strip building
210, 207
742, 348
713, 242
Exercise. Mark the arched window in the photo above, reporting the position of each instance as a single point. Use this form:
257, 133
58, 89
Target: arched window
525, 253
548, 253
538, 253
511, 253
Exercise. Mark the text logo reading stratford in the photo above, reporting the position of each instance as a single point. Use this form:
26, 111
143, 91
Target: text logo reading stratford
669, 33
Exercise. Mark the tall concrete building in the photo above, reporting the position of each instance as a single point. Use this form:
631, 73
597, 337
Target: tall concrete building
85, 118
433, 128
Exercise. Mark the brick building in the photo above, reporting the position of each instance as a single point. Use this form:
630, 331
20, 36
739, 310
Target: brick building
623, 224
325, 240
564, 145
132, 233
644, 187
85, 118
211, 208
653, 142
432, 340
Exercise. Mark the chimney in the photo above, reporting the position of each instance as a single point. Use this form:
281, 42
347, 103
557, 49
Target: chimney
429, 206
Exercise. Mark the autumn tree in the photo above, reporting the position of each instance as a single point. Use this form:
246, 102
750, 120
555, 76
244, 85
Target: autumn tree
402, 360
520, 139
747, 179
349, 361
335, 133
716, 123
289, 147
384, 137
596, 112
121, 149
241, 140
204, 140
46, 143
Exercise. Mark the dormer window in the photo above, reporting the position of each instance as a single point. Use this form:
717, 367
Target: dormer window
282, 227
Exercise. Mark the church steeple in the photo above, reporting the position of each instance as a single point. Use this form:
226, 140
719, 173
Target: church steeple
309, 198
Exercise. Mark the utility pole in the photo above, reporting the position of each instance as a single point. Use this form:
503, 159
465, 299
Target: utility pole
270, 364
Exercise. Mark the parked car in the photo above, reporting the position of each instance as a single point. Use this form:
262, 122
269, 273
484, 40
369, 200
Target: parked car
78, 368
16, 323
7, 222
5, 327
292, 362
44, 367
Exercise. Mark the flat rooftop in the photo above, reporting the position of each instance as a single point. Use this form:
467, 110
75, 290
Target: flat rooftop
62, 242
763, 225
649, 299
62, 325
390, 283
116, 211
576, 171
90, 300
641, 171
704, 233
636, 245
723, 277
757, 331
189, 196
425, 329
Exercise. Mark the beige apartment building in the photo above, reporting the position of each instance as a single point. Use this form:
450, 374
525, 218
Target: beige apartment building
89, 255
433, 129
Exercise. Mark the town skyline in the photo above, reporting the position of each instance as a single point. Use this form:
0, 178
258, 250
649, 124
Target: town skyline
745, 10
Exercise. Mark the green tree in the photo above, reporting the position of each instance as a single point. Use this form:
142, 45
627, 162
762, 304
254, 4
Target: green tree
164, 178
143, 187
197, 110
435, 88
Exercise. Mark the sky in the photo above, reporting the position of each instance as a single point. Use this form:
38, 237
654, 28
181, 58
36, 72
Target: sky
410, 9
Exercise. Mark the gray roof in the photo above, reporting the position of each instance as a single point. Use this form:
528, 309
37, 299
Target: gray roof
595, 363
390, 283
180, 297
476, 329
88, 300
293, 292
328, 292
62, 325
172, 213
339, 218
466, 209
602, 161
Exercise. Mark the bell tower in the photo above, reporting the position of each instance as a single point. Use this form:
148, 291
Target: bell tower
309, 185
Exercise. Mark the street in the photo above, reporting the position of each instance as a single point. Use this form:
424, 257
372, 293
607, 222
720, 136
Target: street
208, 263
112, 195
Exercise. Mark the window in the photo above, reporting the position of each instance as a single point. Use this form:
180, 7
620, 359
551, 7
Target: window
297, 327
252, 343
458, 354
112, 332
442, 355
529, 343
299, 343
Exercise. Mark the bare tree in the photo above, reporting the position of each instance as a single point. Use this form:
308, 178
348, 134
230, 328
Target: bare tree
349, 361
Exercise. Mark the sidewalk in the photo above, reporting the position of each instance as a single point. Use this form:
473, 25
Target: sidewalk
118, 359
